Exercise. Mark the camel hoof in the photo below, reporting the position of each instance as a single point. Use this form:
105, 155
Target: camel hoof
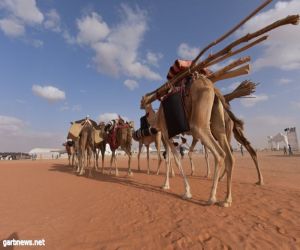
260, 183
187, 196
225, 204
130, 174
157, 173
211, 202
116, 174
166, 187
148, 172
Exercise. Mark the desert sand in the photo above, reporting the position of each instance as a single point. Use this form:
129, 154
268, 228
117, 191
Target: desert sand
44, 199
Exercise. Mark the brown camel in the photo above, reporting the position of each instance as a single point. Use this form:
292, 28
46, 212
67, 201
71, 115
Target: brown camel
120, 136
205, 114
71, 151
101, 146
147, 140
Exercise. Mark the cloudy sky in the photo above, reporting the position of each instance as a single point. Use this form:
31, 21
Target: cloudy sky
61, 61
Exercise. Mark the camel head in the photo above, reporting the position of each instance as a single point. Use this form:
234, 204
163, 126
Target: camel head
131, 124
143, 102
147, 99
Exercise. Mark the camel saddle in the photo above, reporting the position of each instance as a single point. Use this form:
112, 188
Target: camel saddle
76, 127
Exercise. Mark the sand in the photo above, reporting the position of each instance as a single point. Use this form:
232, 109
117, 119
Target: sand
45, 200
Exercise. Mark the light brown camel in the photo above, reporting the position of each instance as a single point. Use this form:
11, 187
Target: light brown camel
237, 130
147, 140
205, 114
120, 136
86, 145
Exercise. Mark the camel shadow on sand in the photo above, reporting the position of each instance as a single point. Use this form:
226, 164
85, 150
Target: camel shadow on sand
123, 180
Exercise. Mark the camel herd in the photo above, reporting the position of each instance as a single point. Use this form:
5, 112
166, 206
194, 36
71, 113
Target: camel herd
210, 120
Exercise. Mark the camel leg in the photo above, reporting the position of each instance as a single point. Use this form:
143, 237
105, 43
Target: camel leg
128, 152
82, 163
139, 154
200, 128
158, 151
102, 155
254, 158
253, 154
218, 129
166, 186
97, 152
172, 171
115, 163
111, 160
190, 154
148, 164
177, 158
207, 162
157, 145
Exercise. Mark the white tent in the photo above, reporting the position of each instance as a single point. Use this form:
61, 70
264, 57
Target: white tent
45, 153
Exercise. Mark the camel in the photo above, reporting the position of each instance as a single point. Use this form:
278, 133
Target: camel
244, 89
120, 136
147, 140
86, 145
205, 114
71, 151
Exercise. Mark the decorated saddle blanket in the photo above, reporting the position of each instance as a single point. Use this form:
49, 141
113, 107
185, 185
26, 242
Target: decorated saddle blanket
114, 135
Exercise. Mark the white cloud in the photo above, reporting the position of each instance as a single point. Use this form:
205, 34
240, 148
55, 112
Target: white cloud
26, 11
37, 43
295, 105
49, 93
282, 49
11, 27
77, 108
91, 29
284, 81
17, 14
68, 37
116, 48
17, 136
52, 21
250, 102
153, 58
186, 52
131, 84
272, 120
230, 88
106, 117
10, 125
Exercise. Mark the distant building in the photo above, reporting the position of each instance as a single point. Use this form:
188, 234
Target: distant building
292, 138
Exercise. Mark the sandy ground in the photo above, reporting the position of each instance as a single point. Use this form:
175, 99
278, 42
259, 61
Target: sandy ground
45, 200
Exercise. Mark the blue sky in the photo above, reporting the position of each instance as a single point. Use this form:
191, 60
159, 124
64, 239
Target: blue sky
61, 61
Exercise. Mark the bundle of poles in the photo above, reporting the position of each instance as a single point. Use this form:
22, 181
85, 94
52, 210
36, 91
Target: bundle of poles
236, 68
